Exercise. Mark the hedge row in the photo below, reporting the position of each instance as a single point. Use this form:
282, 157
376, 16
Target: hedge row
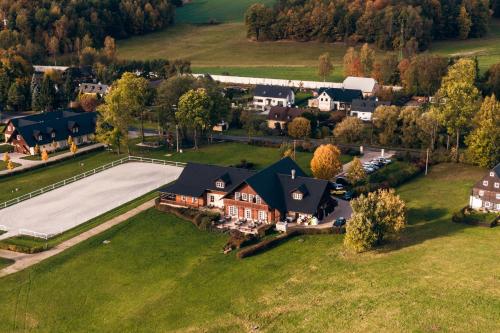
265, 245
469, 216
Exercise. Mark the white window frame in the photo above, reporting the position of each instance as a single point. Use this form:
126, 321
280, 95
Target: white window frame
497, 185
193, 199
250, 197
40, 138
219, 184
498, 206
183, 198
237, 195
481, 193
297, 196
258, 199
487, 204
212, 198
497, 196
492, 174
262, 215
18, 137
485, 183
244, 196
248, 213
233, 211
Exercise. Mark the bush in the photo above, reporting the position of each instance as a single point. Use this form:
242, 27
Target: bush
470, 216
6, 149
394, 174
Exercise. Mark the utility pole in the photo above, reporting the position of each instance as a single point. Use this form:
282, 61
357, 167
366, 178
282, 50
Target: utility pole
427, 162
294, 146
177, 136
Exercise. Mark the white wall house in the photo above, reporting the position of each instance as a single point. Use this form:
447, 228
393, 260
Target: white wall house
269, 96
367, 85
333, 99
486, 192
364, 109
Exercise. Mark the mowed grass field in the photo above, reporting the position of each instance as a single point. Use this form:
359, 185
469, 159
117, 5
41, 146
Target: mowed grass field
159, 273
224, 48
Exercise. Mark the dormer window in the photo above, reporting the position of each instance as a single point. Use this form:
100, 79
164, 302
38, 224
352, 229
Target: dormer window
53, 135
244, 196
250, 197
18, 137
297, 196
219, 184
237, 195
75, 130
258, 200
492, 174
40, 138
485, 183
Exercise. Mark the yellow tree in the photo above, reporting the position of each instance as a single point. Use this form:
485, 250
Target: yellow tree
37, 149
70, 141
10, 165
300, 127
74, 148
325, 163
6, 157
377, 217
356, 173
45, 155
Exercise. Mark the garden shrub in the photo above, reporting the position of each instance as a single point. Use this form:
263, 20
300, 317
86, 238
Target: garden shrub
469, 216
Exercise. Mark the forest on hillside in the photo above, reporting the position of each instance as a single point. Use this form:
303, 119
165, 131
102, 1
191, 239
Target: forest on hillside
37, 28
389, 24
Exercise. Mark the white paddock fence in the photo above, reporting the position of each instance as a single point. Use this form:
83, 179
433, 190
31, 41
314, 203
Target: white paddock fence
86, 174
34, 234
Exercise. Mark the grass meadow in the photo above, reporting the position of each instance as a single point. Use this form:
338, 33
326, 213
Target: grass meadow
224, 48
160, 273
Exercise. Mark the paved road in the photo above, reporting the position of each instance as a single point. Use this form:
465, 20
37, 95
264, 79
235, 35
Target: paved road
78, 202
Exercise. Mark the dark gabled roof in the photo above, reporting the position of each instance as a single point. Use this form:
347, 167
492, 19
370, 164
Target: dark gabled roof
58, 122
341, 94
491, 180
282, 113
366, 105
272, 91
312, 190
496, 170
267, 184
196, 178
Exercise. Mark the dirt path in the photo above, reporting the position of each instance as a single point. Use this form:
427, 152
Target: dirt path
23, 260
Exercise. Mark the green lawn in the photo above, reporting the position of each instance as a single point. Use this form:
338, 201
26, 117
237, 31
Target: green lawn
4, 262
224, 48
159, 273
26, 182
203, 11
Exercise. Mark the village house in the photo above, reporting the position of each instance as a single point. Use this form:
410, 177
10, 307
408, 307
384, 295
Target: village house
486, 192
367, 85
49, 130
268, 96
364, 108
335, 99
279, 192
280, 116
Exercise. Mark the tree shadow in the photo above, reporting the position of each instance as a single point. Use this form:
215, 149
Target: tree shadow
425, 224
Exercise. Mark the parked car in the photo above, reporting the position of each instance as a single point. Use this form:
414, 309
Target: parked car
348, 195
339, 222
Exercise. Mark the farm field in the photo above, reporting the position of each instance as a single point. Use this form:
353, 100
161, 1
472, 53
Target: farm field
224, 48
438, 277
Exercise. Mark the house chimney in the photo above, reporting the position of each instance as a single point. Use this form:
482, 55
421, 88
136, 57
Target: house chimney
293, 173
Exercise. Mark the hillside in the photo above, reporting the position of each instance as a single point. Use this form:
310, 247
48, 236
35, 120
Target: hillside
224, 47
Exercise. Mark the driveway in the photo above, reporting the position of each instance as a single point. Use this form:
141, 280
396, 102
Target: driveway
78, 202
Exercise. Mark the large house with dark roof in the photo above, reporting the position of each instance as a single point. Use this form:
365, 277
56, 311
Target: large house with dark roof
49, 130
364, 108
280, 116
333, 99
278, 192
268, 96
486, 192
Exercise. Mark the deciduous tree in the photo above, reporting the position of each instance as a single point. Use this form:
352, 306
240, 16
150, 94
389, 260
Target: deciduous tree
377, 217
349, 129
300, 127
356, 173
483, 143
193, 111
325, 163
45, 155
385, 119
325, 66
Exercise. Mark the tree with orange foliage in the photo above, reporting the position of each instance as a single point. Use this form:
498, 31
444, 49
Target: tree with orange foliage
325, 163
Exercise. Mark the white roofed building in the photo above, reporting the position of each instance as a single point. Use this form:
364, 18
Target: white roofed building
367, 85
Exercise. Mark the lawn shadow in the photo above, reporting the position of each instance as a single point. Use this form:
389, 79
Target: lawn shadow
425, 224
